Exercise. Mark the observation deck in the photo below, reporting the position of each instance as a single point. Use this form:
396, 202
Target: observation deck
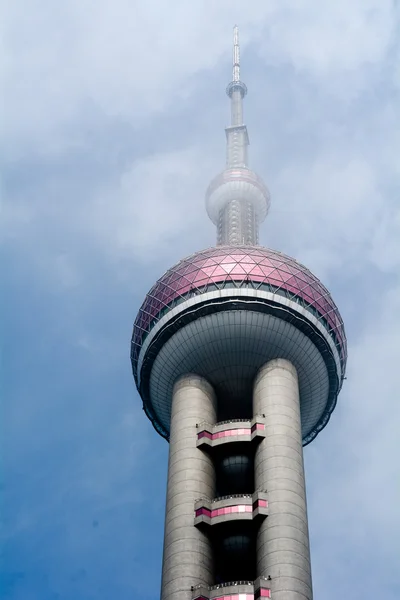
234, 590
225, 311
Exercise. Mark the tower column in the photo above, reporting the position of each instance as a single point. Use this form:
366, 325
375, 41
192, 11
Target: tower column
282, 543
187, 559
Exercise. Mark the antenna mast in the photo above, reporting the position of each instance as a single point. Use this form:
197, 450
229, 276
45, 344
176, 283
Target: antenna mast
236, 55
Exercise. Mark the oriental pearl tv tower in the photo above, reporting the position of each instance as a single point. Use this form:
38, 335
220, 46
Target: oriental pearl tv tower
238, 353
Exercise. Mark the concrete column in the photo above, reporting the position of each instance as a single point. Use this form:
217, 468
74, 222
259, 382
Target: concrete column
282, 543
187, 556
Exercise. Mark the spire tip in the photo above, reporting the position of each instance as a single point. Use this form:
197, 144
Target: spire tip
236, 55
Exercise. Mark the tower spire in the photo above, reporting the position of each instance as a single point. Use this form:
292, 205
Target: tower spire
236, 55
236, 89
237, 200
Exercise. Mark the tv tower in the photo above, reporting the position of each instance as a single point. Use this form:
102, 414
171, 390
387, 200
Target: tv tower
238, 353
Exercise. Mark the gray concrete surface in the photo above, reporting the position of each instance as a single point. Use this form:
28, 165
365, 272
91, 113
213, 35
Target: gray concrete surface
187, 559
283, 541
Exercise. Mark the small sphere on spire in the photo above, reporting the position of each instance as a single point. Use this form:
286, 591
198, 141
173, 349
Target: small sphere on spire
236, 86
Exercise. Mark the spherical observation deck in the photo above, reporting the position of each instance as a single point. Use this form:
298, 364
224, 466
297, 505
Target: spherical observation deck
224, 312
237, 183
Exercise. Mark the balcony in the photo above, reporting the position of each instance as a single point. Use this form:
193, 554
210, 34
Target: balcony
238, 507
236, 430
234, 590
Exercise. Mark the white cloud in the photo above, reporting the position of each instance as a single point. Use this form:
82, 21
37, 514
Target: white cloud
331, 204
353, 469
330, 36
80, 59
385, 246
158, 202
66, 59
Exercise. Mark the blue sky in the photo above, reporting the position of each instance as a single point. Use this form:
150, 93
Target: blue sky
114, 117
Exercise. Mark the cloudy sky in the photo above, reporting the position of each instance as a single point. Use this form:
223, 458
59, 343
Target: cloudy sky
114, 117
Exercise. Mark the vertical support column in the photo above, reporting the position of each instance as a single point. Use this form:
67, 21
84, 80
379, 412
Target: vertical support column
236, 148
282, 542
238, 223
236, 107
187, 556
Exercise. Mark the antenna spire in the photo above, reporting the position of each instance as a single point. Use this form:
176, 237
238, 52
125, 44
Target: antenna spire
237, 200
236, 89
236, 55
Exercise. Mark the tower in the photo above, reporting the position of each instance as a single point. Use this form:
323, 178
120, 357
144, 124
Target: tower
238, 353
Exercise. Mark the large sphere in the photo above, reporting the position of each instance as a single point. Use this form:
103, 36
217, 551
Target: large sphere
224, 312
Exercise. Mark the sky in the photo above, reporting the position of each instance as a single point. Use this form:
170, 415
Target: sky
114, 116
